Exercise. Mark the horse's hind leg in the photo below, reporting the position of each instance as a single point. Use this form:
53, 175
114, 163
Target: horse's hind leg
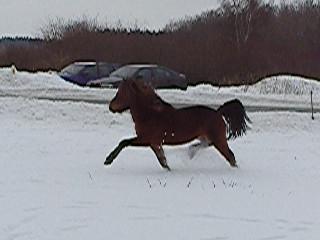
194, 148
221, 145
158, 150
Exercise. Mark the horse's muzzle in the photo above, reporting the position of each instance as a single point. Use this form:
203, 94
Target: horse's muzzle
111, 108
114, 107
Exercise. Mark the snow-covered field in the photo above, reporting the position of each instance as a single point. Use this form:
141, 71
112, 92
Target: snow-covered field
53, 184
283, 91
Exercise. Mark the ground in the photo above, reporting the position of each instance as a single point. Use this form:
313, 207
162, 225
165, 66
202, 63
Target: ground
53, 184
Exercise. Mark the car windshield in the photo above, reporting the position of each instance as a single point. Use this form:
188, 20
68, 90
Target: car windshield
124, 72
72, 69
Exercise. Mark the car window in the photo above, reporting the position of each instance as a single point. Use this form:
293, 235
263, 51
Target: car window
145, 74
124, 72
90, 71
162, 73
72, 69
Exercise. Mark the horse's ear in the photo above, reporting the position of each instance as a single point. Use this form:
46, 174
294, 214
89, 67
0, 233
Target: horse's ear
139, 85
134, 85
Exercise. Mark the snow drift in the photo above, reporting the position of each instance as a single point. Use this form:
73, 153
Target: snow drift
283, 91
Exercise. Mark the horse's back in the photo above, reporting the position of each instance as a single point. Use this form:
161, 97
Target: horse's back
197, 116
198, 111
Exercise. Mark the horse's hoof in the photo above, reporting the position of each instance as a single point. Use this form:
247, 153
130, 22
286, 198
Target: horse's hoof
107, 162
191, 152
166, 167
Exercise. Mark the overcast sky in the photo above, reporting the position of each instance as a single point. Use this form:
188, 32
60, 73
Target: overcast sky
25, 17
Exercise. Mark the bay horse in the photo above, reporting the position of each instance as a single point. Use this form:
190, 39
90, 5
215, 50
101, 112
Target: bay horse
158, 123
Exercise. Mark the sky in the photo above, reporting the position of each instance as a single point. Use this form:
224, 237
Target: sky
26, 17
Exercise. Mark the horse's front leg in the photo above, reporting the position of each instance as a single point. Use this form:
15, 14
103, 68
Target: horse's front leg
158, 150
124, 143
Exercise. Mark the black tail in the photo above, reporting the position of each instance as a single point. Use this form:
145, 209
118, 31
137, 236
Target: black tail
236, 118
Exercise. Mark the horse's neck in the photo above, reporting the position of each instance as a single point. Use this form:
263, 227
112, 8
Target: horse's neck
147, 108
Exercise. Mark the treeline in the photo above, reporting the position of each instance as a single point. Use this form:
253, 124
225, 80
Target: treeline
238, 43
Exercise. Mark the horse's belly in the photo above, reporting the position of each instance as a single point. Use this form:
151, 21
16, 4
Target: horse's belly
175, 140
181, 133
177, 128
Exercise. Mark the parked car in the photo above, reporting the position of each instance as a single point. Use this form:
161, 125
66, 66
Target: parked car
82, 72
157, 76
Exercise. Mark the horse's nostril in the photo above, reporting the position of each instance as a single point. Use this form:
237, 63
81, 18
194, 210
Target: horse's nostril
114, 107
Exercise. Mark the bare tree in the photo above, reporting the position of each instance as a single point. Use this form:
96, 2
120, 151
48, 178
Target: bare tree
244, 12
54, 29
58, 28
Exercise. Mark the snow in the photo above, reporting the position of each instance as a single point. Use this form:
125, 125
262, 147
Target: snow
53, 184
283, 92
280, 85
10, 78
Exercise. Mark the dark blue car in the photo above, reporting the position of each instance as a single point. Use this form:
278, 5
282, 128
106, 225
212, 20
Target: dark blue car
157, 76
82, 72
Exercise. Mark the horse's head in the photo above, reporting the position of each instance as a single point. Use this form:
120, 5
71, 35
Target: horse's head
127, 90
121, 101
